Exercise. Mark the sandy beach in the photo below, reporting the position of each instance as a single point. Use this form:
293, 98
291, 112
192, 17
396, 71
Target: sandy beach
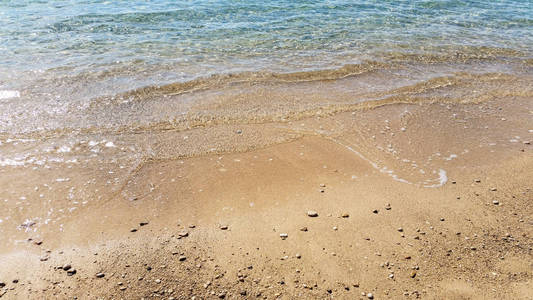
273, 149
426, 200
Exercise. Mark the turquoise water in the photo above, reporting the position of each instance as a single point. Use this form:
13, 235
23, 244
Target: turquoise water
180, 40
80, 64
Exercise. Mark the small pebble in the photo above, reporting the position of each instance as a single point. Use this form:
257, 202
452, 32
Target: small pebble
100, 275
224, 227
283, 236
312, 213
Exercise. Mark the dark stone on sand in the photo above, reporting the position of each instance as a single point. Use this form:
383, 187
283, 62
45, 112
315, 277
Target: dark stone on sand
66, 267
71, 272
224, 227
375, 211
133, 230
2, 284
143, 223
182, 258
100, 275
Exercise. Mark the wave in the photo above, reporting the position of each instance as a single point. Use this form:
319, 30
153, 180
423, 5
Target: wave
275, 98
388, 61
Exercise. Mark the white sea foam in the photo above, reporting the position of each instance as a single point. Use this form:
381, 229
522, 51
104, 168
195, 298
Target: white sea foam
452, 156
373, 164
443, 178
5, 94
64, 149
10, 162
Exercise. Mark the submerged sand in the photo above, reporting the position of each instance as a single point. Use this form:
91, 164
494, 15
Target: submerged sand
423, 194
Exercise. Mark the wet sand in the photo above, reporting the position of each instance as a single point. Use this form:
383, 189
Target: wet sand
425, 200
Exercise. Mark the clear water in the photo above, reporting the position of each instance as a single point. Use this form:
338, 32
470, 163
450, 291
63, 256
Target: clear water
180, 40
81, 64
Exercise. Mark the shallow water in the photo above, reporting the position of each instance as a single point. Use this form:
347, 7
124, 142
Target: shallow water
69, 51
167, 79
203, 37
